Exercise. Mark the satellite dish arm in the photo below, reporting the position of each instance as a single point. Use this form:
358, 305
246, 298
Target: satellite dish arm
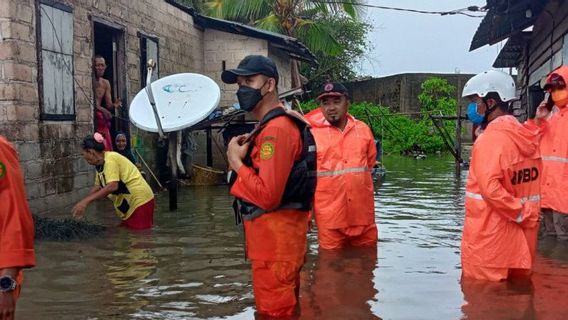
151, 65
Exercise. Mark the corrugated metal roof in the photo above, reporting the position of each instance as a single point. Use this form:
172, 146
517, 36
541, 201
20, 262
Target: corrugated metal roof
504, 18
509, 56
294, 47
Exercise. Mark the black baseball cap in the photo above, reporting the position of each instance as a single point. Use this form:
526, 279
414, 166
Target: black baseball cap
555, 81
249, 66
332, 89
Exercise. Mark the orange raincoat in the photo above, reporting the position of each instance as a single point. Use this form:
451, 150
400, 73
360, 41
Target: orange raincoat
554, 152
502, 201
344, 193
277, 241
16, 224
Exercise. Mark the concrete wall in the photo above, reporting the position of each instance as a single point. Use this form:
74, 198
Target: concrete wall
56, 175
400, 92
230, 48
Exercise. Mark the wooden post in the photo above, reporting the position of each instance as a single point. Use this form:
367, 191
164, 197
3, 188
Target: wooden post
172, 156
209, 147
458, 145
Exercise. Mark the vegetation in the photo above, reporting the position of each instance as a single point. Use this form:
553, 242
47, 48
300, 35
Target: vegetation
401, 133
330, 29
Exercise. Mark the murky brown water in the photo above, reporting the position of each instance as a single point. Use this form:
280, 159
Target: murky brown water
190, 266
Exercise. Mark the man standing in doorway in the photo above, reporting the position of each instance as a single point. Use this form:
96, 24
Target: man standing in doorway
103, 93
269, 187
16, 230
344, 204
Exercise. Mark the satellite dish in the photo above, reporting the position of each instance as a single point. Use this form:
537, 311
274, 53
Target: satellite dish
182, 100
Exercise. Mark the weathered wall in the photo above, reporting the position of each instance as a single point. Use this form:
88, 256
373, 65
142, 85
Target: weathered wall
545, 51
56, 175
229, 48
400, 92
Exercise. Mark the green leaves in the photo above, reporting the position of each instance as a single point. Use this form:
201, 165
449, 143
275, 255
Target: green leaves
401, 134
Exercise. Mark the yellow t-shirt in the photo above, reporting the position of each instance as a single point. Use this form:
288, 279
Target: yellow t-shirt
133, 191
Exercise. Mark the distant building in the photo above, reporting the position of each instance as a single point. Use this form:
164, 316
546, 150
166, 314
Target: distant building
400, 92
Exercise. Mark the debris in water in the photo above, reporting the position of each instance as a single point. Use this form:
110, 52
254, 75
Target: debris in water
65, 229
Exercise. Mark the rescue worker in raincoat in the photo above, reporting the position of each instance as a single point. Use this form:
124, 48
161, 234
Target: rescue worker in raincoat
502, 200
276, 234
554, 152
344, 205
16, 230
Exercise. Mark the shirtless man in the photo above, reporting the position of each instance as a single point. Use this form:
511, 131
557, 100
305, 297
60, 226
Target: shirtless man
103, 92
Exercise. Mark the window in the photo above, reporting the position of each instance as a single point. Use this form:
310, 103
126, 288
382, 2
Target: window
56, 85
148, 50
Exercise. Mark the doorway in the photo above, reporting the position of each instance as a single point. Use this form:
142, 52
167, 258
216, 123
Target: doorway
109, 42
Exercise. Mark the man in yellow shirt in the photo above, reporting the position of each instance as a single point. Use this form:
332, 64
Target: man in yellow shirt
118, 179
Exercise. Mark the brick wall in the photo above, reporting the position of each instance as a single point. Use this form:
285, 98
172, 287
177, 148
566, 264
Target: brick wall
56, 174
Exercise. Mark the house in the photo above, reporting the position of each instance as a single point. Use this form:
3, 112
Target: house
46, 84
536, 42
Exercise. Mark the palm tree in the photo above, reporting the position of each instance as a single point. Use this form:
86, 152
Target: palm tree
295, 18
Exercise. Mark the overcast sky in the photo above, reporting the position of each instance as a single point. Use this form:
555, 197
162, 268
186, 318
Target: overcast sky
411, 42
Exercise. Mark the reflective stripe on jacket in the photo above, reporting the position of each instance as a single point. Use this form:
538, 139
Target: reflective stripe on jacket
502, 200
554, 152
344, 191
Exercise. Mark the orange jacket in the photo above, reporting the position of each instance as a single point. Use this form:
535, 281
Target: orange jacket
502, 197
344, 192
554, 152
279, 235
16, 224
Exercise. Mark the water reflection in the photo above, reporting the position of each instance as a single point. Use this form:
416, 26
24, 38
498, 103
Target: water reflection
191, 266
339, 284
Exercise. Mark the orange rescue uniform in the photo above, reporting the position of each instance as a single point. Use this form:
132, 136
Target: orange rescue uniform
554, 152
16, 224
502, 202
344, 204
275, 241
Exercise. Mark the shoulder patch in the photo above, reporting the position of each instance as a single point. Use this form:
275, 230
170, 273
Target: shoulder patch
2, 170
266, 150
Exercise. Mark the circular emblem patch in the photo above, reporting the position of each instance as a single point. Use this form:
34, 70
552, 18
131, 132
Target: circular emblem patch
328, 87
2, 170
266, 150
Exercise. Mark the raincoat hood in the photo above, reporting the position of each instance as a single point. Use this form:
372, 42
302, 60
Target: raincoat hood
317, 119
562, 71
525, 138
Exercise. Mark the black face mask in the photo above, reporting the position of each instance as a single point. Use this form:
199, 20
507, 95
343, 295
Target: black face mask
249, 97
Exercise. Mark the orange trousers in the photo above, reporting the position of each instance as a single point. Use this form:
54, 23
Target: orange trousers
358, 236
493, 274
276, 286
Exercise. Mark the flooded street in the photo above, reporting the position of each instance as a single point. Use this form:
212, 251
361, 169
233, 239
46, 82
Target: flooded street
190, 266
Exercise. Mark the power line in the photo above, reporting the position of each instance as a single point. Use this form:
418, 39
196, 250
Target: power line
463, 11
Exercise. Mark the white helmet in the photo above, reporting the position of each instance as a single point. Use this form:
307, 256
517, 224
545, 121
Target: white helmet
491, 81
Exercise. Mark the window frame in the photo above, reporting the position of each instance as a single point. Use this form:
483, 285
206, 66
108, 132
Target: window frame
44, 114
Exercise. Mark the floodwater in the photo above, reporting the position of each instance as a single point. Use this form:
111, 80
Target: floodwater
191, 266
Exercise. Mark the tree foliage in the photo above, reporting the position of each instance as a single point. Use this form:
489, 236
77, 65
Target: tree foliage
352, 36
330, 29
401, 134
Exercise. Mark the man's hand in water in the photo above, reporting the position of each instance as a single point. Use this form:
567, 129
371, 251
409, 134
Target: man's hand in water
79, 209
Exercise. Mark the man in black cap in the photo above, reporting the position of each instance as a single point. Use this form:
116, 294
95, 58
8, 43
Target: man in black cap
344, 205
275, 216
